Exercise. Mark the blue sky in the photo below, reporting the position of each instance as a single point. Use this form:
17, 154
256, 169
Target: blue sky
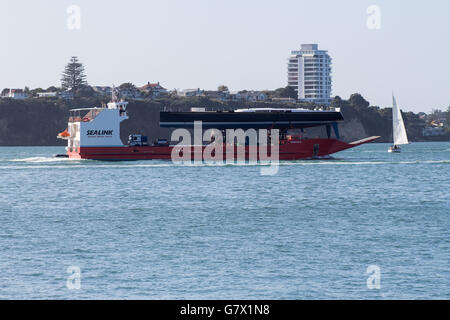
242, 44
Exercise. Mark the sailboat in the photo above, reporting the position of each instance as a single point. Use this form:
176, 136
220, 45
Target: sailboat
398, 128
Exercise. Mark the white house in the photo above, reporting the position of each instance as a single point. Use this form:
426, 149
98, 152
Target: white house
16, 94
47, 94
190, 92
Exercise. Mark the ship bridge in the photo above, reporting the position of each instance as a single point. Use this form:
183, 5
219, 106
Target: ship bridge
89, 114
84, 114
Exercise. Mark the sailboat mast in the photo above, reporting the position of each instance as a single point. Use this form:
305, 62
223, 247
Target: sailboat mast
394, 118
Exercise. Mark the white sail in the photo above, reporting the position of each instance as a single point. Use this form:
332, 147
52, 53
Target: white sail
398, 127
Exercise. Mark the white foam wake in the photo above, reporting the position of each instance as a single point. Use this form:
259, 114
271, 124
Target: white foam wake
80, 164
42, 160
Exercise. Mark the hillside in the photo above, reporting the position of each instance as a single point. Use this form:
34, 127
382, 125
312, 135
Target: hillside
36, 122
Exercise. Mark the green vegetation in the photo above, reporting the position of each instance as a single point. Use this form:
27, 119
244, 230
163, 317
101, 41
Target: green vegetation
38, 121
73, 77
287, 92
128, 86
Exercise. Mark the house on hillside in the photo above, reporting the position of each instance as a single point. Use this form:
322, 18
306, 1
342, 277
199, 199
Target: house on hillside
250, 96
102, 91
217, 95
15, 94
66, 95
153, 90
47, 94
130, 94
433, 131
190, 93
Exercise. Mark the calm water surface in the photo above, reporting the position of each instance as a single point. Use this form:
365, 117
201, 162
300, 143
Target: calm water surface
153, 229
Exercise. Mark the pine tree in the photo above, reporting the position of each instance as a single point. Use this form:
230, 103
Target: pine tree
73, 77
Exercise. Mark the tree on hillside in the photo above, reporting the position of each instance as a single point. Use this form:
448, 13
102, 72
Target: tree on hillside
286, 92
336, 100
436, 114
35, 91
52, 89
73, 77
358, 100
222, 88
85, 91
127, 86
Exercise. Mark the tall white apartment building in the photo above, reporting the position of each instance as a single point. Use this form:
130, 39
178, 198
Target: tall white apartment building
309, 72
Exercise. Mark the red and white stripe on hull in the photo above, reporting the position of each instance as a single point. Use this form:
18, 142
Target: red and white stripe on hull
288, 150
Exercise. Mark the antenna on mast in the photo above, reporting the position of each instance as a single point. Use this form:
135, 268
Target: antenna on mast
115, 94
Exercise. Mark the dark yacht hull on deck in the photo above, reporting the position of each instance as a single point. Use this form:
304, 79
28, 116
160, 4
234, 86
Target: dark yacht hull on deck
229, 119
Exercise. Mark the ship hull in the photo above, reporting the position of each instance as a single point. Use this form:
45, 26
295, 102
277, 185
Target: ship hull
288, 150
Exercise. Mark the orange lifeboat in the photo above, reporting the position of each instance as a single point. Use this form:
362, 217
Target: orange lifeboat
64, 135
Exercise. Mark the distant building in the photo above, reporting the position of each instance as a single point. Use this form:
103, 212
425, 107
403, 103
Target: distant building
102, 91
251, 96
431, 131
309, 72
190, 93
16, 94
154, 90
66, 95
217, 95
47, 94
130, 94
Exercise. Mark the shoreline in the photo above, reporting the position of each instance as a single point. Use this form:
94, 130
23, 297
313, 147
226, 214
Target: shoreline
63, 146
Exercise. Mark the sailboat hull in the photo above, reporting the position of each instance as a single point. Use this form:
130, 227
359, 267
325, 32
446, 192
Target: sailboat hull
394, 150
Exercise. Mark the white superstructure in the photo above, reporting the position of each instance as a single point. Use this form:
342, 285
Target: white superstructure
95, 127
309, 72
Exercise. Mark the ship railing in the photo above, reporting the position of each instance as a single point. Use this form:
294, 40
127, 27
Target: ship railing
84, 115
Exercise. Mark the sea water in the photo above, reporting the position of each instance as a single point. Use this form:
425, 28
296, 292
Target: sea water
367, 225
